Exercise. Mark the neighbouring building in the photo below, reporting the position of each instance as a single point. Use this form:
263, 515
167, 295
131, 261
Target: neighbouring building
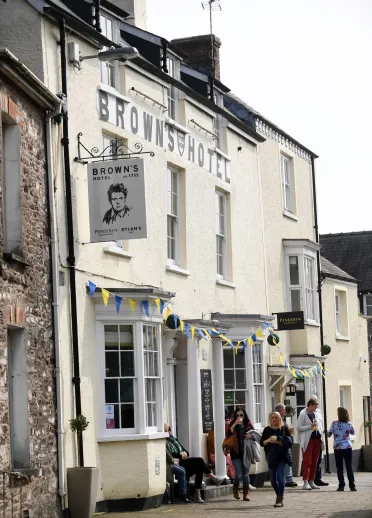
230, 242
28, 448
352, 251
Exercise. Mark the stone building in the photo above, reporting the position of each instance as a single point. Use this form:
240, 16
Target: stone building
28, 452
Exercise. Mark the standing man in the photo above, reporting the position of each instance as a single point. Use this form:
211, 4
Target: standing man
318, 475
288, 474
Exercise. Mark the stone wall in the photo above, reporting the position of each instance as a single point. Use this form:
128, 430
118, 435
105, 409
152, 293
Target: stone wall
25, 284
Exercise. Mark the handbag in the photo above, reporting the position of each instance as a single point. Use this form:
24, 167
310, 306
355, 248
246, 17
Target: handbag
230, 444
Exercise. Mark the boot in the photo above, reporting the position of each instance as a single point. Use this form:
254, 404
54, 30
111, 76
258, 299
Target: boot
236, 491
198, 499
279, 501
245, 494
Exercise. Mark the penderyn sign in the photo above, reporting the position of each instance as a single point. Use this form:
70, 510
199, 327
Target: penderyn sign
117, 200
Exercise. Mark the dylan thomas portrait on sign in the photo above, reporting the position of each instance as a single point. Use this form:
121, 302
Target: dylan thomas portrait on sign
117, 195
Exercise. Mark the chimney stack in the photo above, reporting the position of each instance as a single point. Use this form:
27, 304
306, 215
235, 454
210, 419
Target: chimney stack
199, 52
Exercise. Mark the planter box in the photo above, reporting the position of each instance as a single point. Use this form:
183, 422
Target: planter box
82, 487
367, 457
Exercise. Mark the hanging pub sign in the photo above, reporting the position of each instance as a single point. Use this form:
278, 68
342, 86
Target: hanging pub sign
290, 321
117, 201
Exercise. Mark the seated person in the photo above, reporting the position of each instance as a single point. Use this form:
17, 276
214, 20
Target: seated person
179, 473
212, 454
192, 465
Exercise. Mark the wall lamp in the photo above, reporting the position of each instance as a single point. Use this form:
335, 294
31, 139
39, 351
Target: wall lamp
75, 57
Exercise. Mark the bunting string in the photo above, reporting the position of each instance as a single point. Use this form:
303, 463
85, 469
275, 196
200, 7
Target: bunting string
209, 333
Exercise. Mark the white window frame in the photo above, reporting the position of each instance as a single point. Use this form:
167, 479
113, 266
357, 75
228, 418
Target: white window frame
250, 384
288, 184
338, 313
173, 172
222, 236
257, 368
341, 313
366, 306
172, 91
304, 254
110, 67
106, 318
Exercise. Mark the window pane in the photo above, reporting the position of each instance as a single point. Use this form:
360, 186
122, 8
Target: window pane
240, 398
229, 379
240, 379
112, 364
369, 311
127, 416
111, 338
127, 364
296, 300
240, 359
126, 391
126, 338
294, 275
369, 300
112, 391
228, 359
151, 414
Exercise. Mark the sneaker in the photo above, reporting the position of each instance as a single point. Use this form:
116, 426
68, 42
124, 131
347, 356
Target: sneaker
312, 485
353, 488
340, 488
306, 485
321, 483
252, 487
291, 484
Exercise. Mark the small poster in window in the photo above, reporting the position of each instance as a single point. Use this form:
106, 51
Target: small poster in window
110, 412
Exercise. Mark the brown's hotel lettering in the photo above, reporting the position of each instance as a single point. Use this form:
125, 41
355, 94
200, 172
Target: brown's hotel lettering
127, 116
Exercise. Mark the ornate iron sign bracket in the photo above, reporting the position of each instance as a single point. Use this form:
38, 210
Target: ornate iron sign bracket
117, 148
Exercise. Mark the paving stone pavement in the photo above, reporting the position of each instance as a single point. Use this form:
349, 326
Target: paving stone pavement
325, 503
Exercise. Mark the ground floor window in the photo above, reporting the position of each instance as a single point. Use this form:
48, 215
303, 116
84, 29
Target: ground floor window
131, 373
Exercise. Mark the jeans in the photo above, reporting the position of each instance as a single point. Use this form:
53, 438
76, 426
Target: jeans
340, 456
288, 474
240, 471
180, 475
277, 478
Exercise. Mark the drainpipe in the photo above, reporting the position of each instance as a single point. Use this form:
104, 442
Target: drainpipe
56, 319
70, 239
316, 229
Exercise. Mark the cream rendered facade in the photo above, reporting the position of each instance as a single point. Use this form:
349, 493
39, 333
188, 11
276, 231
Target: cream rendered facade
348, 376
132, 465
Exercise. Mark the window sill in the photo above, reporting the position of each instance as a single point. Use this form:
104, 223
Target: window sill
12, 257
311, 323
221, 153
116, 250
134, 437
176, 125
26, 472
113, 91
173, 268
227, 284
289, 215
342, 338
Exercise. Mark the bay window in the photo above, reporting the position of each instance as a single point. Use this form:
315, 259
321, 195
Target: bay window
300, 265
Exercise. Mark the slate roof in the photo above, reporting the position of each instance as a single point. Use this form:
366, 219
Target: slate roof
352, 252
331, 270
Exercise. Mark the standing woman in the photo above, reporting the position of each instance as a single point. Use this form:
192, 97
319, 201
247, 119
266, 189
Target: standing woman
341, 430
240, 427
276, 440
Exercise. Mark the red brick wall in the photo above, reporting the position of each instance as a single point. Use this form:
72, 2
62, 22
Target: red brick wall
29, 287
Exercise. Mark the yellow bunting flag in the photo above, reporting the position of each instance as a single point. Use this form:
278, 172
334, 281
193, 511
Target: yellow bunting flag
182, 324
259, 333
133, 304
105, 296
157, 302
281, 359
207, 335
192, 333
237, 348
167, 312
250, 341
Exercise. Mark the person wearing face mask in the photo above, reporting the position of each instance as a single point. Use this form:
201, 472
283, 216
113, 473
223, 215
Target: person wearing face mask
240, 426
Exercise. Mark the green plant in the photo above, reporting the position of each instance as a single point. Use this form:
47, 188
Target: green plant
326, 349
79, 424
367, 424
289, 411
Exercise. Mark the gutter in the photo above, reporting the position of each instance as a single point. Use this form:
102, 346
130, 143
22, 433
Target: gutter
321, 329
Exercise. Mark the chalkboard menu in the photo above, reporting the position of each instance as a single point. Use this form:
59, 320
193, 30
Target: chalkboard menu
206, 399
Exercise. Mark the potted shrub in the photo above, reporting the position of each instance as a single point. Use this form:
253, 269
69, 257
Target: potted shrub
82, 482
367, 449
